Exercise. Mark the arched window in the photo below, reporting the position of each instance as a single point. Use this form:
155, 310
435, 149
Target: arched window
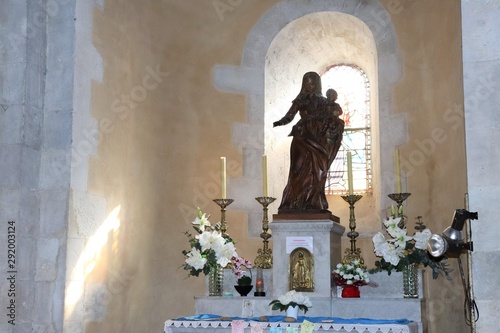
353, 88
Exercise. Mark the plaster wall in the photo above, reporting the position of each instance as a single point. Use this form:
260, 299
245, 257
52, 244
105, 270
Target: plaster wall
433, 157
161, 159
162, 126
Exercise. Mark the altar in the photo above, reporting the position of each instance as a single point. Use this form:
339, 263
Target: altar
379, 309
384, 302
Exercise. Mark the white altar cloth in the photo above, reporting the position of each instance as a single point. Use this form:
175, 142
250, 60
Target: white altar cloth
184, 326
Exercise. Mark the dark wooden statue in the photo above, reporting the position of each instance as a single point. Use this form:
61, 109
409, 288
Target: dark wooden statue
316, 140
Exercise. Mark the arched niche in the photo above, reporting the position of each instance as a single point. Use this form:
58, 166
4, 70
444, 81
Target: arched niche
313, 42
269, 93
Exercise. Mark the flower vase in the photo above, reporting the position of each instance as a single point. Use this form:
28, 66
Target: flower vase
350, 291
410, 281
292, 312
215, 281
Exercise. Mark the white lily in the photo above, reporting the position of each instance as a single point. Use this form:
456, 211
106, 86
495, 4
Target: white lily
201, 221
421, 239
210, 240
195, 259
400, 238
225, 253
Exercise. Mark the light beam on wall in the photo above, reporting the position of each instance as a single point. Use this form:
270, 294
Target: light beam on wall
88, 259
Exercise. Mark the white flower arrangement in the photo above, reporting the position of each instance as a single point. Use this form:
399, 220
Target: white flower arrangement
291, 298
402, 250
208, 249
392, 250
352, 273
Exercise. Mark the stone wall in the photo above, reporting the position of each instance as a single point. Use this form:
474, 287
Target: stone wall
36, 125
481, 73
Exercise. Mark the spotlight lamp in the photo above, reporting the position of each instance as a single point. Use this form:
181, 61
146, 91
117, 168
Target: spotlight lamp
452, 239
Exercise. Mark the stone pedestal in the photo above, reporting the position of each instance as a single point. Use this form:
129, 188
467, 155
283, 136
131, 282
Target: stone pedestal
326, 234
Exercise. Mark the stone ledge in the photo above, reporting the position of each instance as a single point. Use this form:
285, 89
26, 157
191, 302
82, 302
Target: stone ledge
394, 308
311, 217
302, 225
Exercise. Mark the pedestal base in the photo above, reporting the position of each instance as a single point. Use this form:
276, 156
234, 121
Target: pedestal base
305, 216
326, 251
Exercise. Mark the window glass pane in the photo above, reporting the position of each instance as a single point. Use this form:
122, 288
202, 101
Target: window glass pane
353, 91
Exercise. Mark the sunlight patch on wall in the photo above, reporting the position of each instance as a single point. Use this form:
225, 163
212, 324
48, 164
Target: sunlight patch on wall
89, 258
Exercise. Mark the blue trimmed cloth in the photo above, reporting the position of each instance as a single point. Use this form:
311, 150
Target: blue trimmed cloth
300, 319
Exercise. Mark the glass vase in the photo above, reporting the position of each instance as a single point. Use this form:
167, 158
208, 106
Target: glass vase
410, 281
216, 281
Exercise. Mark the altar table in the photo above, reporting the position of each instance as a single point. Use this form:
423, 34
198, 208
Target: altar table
215, 325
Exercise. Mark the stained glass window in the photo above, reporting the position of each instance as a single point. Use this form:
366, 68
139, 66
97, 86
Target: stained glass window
353, 88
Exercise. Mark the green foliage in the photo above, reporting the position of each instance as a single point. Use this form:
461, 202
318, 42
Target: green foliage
276, 305
439, 266
244, 281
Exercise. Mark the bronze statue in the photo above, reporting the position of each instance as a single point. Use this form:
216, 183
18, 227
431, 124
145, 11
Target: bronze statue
301, 271
316, 140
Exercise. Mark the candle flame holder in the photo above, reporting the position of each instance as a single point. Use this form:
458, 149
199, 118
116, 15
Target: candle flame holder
223, 203
400, 198
259, 286
265, 255
354, 253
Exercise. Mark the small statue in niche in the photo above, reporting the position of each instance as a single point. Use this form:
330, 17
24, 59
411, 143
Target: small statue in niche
301, 270
317, 137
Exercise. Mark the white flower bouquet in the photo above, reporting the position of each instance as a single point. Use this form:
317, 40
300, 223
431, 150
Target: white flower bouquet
291, 298
401, 250
352, 273
208, 248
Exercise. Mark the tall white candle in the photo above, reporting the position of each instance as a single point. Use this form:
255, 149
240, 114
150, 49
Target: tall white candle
223, 177
349, 173
397, 171
264, 175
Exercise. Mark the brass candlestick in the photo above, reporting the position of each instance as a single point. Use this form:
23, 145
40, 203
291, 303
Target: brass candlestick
400, 198
265, 256
353, 253
223, 203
